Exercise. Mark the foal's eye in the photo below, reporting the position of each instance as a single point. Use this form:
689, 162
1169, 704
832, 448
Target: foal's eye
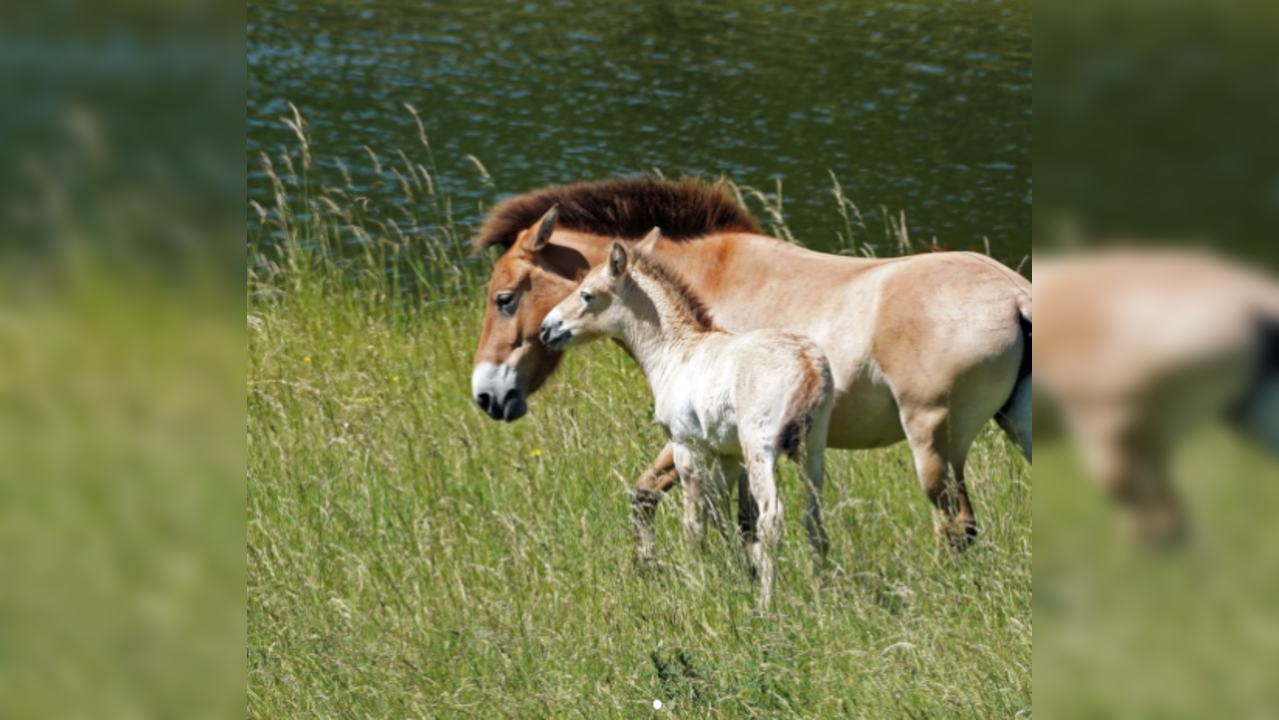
505, 303
586, 296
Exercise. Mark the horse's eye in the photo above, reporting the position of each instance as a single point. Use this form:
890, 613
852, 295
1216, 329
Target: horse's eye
505, 303
587, 296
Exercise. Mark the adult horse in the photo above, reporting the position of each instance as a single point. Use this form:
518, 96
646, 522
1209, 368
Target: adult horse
926, 348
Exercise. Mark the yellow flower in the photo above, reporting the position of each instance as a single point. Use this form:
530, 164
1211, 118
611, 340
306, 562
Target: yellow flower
537, 452
395, 378
306, 359
366, 400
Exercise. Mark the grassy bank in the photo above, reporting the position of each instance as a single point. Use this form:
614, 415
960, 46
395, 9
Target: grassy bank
407, 556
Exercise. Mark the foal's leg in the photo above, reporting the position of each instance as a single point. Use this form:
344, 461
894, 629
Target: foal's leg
762, 467
717, 495
747, 517
693, 469
729, 468
649, 489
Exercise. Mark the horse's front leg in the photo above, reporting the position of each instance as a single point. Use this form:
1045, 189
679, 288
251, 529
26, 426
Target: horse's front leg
694, 469
660, 477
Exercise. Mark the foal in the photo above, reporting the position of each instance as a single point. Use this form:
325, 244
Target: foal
723, 398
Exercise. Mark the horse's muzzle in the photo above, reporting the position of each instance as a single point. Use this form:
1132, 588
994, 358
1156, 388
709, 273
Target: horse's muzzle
554, 335
510, 408
499, 392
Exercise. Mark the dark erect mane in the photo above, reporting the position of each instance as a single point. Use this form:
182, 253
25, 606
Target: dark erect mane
625, 208
648, 264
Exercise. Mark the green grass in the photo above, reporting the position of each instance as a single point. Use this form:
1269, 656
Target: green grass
409, 557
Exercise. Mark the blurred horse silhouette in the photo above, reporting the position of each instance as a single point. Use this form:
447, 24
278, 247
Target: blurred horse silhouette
1136, 347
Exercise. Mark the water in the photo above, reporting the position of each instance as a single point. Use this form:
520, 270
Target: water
921, 108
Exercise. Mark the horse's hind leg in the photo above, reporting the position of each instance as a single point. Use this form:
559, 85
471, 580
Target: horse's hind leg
939, 460
659, 478
812, 464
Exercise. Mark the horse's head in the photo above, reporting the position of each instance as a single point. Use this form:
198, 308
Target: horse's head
532, 277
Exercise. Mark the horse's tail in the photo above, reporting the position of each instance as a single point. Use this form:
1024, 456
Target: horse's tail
1024, 322
1023, 370
816, 387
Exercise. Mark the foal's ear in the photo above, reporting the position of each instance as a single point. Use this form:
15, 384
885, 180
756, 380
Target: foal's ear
649, 243
542, 234
617, 260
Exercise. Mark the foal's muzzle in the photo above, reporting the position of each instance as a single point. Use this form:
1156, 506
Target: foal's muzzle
554, 334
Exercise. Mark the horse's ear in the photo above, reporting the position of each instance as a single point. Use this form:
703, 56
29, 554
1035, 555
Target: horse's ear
649, 243
542, 234
617, 260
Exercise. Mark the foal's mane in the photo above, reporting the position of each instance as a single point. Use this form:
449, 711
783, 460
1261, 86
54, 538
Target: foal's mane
625, 208
646, 263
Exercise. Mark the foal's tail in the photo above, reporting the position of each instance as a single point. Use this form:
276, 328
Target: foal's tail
815, 389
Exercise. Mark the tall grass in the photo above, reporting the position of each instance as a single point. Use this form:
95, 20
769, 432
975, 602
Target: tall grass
407, 556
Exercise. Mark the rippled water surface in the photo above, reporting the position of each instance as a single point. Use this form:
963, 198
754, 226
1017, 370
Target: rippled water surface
922, 108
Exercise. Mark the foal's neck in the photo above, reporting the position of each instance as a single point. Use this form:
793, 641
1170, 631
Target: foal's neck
663, 324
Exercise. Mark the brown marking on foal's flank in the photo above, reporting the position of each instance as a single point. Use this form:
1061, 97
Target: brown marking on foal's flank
803, 408
624, 208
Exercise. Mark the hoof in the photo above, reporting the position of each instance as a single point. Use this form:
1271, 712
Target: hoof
958, 536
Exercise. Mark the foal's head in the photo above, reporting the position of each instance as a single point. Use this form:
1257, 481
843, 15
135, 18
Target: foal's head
597, 310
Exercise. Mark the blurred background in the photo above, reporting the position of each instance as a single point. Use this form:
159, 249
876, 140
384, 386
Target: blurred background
1154, 133
121, 463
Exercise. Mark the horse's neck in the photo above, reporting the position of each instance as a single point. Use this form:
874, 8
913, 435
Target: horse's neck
658, 332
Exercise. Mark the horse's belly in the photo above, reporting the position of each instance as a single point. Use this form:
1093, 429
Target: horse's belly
865, 416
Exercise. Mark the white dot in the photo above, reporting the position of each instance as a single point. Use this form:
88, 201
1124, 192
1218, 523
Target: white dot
657, 704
